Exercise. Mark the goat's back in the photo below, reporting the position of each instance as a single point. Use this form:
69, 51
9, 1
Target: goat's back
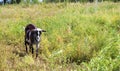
29, 27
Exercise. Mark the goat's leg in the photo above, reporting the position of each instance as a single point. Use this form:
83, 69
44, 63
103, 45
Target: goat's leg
37, 47
26, 44
31, 48
26, 47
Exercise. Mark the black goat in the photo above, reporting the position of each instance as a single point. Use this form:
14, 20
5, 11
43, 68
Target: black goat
32, 36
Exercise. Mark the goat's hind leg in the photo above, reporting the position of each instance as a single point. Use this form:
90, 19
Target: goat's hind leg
26, 43
26, 47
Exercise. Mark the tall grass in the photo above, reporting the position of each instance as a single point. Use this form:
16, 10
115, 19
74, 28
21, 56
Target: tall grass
78, 37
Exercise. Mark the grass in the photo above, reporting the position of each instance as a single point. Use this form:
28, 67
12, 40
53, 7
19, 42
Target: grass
79, 37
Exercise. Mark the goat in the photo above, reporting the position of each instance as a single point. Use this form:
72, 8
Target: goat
32, 36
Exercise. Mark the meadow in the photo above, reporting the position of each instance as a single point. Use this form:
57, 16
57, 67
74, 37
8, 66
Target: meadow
79, 37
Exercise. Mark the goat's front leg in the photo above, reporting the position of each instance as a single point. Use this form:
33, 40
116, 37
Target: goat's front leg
37, 47
31, 48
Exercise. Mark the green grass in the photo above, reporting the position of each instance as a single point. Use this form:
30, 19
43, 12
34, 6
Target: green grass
79, 37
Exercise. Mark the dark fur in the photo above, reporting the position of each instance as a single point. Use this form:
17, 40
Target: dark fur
31, 37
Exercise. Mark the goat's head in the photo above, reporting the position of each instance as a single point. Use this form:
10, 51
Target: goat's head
37, 33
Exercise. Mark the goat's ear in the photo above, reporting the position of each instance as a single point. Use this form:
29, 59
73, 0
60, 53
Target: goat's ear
43, 31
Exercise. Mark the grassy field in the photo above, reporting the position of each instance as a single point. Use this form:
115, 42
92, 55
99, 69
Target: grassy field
79, 37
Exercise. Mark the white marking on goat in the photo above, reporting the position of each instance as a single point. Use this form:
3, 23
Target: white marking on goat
37, 29
38, 36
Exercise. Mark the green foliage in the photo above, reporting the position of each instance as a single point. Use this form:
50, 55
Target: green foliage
106, 59
79, 37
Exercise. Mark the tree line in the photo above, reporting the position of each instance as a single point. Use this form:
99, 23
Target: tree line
69, 0
56, 1
79, 0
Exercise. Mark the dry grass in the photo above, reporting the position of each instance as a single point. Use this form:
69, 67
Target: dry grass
79, 37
